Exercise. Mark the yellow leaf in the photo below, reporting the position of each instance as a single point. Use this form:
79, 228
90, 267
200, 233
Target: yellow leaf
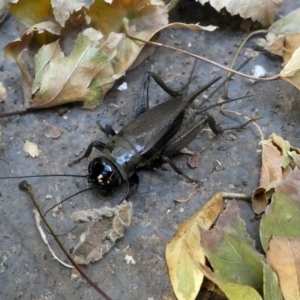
184, 254
30, 12
275, 167
31, 149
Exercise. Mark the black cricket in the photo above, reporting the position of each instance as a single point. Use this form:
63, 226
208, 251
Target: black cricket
152, 138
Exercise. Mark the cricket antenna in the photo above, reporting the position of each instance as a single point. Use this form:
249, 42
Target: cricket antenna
44, 175
222, 84
68, 198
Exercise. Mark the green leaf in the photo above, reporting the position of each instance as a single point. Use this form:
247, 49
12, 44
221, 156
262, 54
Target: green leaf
271, 284
230, 250
281, 218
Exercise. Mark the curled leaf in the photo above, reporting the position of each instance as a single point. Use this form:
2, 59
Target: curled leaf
276, 165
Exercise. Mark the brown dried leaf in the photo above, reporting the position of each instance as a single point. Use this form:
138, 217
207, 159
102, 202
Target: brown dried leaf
274, 169
283, 256
194, 160
263, 11
184, 254
53, 132
104, 227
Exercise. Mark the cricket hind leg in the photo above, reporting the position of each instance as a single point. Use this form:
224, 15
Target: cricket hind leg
179, 171
142, 103
217, 129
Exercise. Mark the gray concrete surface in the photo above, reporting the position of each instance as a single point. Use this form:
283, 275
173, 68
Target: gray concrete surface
27, 270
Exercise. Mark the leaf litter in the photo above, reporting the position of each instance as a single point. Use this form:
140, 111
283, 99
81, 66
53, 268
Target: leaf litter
235, 265
278, 188
102, 52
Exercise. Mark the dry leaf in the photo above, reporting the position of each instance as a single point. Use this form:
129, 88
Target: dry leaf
184, 254
291, 71
62, 79
284, 36
39, 34
106, 54
263, 11
284, 257
104, 227
275, 167
53, 132
194, 160
282, 215
31, 149
2, 92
